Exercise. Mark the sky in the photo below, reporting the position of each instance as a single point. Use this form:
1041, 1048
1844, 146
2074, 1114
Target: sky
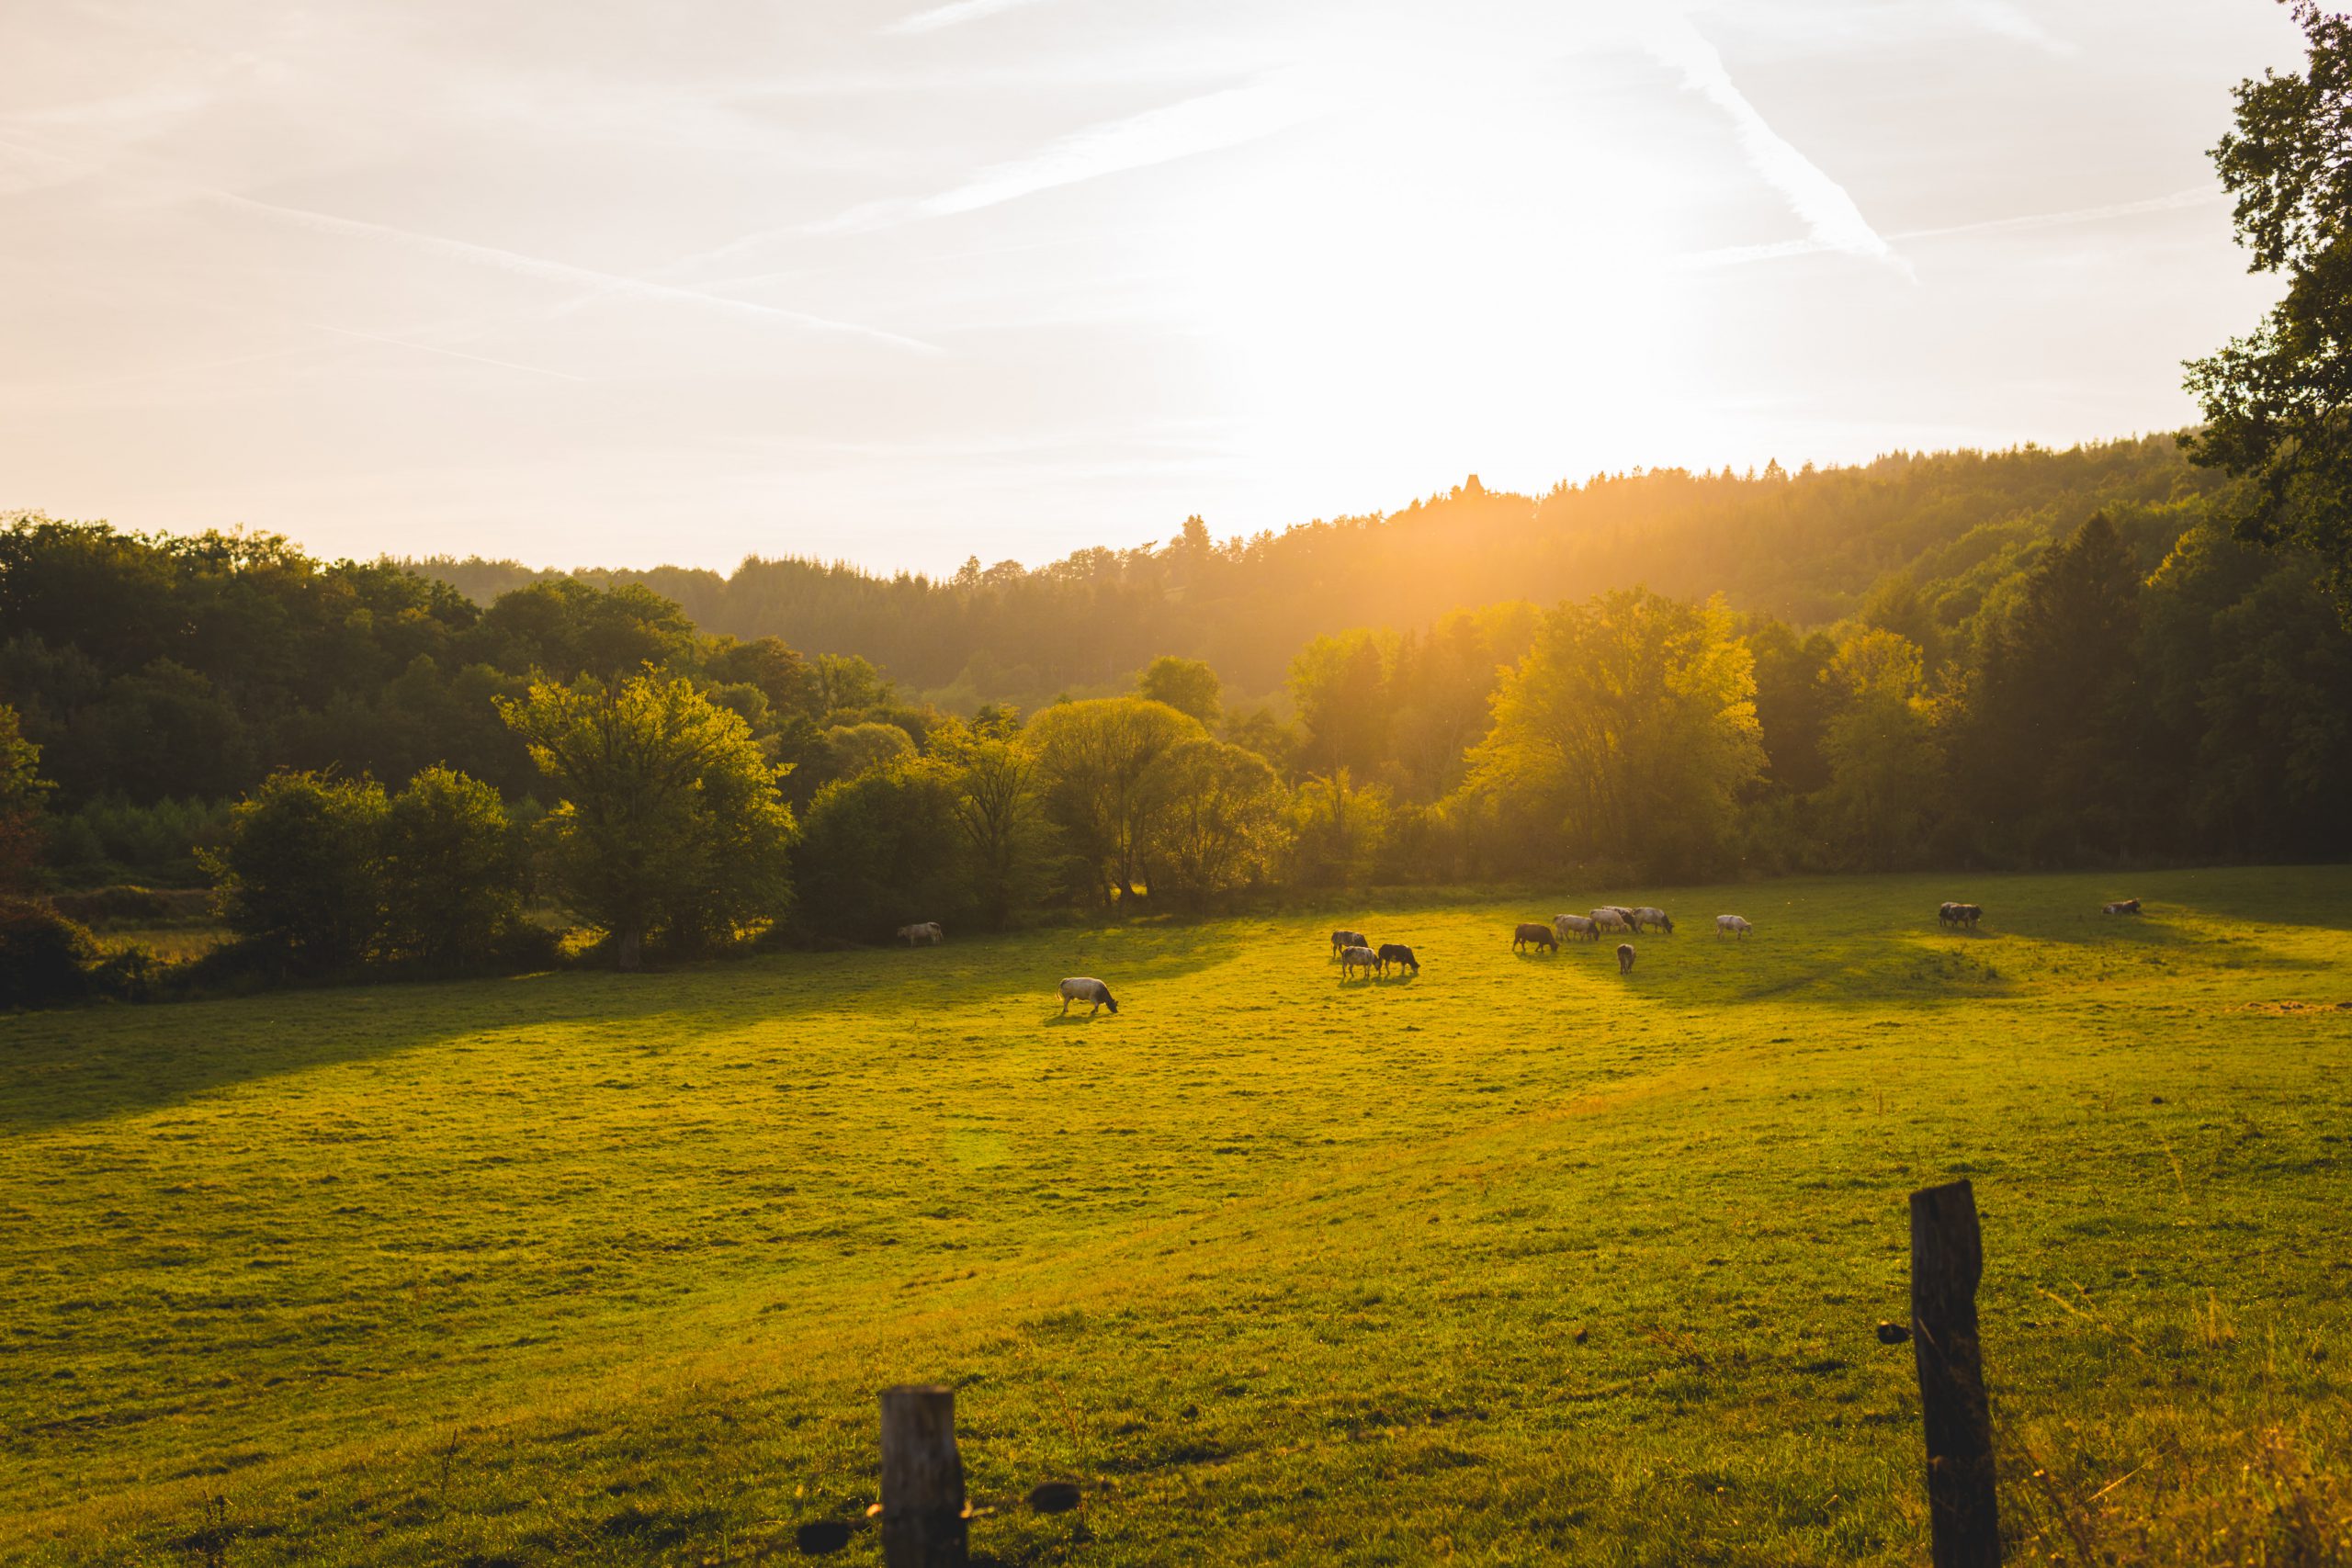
901, 283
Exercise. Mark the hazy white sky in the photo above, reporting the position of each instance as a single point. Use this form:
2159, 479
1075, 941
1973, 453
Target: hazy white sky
625, 283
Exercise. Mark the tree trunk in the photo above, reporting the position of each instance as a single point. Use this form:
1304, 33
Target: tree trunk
628, 947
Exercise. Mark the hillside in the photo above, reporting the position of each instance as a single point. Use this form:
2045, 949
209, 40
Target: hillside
1512, 1262
1806, 548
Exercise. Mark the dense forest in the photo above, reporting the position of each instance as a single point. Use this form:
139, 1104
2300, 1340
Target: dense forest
1806, 548
2029, 658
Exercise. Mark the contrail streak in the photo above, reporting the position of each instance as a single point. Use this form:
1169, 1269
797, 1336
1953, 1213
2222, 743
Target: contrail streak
1835, 222
1736, 255
940, 16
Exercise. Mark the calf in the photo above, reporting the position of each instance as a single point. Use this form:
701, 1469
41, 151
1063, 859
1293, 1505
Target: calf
1625, 958
2122, 906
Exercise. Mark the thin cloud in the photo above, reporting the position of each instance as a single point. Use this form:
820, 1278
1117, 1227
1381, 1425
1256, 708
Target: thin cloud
555, 271
450, 353
1206, 124
1737, 255
2010, 21
950, 16
1830, 216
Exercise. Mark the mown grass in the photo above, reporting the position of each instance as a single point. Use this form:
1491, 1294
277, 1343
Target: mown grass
1515, 1262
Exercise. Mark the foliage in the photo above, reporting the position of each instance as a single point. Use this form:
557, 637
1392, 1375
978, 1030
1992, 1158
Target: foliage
2278, 403
299, 874
1215, 819
450, 871
1092, 758
1006, 837
1886, 766
45, 958
1337, 829
22, 790
883, 849
112, 839
671, 825
1629, 730
1188, 685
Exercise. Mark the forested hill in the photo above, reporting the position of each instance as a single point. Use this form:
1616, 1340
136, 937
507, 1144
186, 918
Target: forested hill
1808, 547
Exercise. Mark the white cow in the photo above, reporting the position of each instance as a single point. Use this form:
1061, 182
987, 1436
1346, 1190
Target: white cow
1650, 916
1731, 925
1609, 917
1354, 958
1082, 989
1566, 926
926, 931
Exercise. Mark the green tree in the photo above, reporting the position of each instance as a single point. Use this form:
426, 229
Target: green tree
1629, 730
2278, 403
1885, 767
1092, 759
1216, 822
2049, 728
302, 870
1003, 822
22, 790
450, 872
1188, 685
671, 824
881, 850
1337, 829
1340, 684
855, 748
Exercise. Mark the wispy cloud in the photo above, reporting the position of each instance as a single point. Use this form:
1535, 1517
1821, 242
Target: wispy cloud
2010, 21
1203, 124
449, 353
1833, 220
555, 271
1736, 255
949, 15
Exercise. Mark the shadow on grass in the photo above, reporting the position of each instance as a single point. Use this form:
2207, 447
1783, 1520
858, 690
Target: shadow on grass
85, 1064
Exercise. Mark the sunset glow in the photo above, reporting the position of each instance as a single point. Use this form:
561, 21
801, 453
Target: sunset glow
1009, 276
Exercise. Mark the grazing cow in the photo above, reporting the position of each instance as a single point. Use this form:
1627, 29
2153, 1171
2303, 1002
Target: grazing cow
1082, 989
1396, 952
1731, 925
1607, 918
2121, 907
1354, 958
1946, 914
1961, 915
1540, 936
926, 931
1566, 926
1343, 940
1649, 915
1625, 958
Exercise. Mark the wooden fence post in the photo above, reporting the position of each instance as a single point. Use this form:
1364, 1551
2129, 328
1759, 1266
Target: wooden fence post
922, 1479
1947, 1259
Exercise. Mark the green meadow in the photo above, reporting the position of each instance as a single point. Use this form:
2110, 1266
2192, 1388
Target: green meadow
1517, 1261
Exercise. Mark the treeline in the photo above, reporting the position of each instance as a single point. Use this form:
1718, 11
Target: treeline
375, 773
1808, 547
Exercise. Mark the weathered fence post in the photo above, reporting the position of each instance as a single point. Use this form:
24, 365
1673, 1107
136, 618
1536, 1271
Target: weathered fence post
922, 1479
1947, 1259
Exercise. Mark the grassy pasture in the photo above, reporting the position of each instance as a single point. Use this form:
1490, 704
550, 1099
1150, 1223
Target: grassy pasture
1515, 1262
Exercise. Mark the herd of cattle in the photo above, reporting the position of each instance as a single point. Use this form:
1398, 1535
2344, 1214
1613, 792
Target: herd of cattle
1358, 955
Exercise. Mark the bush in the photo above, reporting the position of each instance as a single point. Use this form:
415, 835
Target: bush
882, 850
299, 872
449, 877
44, 957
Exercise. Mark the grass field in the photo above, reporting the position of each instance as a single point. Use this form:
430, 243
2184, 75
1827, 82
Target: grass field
1515, 1262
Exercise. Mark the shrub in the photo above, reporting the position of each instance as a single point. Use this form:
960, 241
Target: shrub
449, 878
44, 957
299, 871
